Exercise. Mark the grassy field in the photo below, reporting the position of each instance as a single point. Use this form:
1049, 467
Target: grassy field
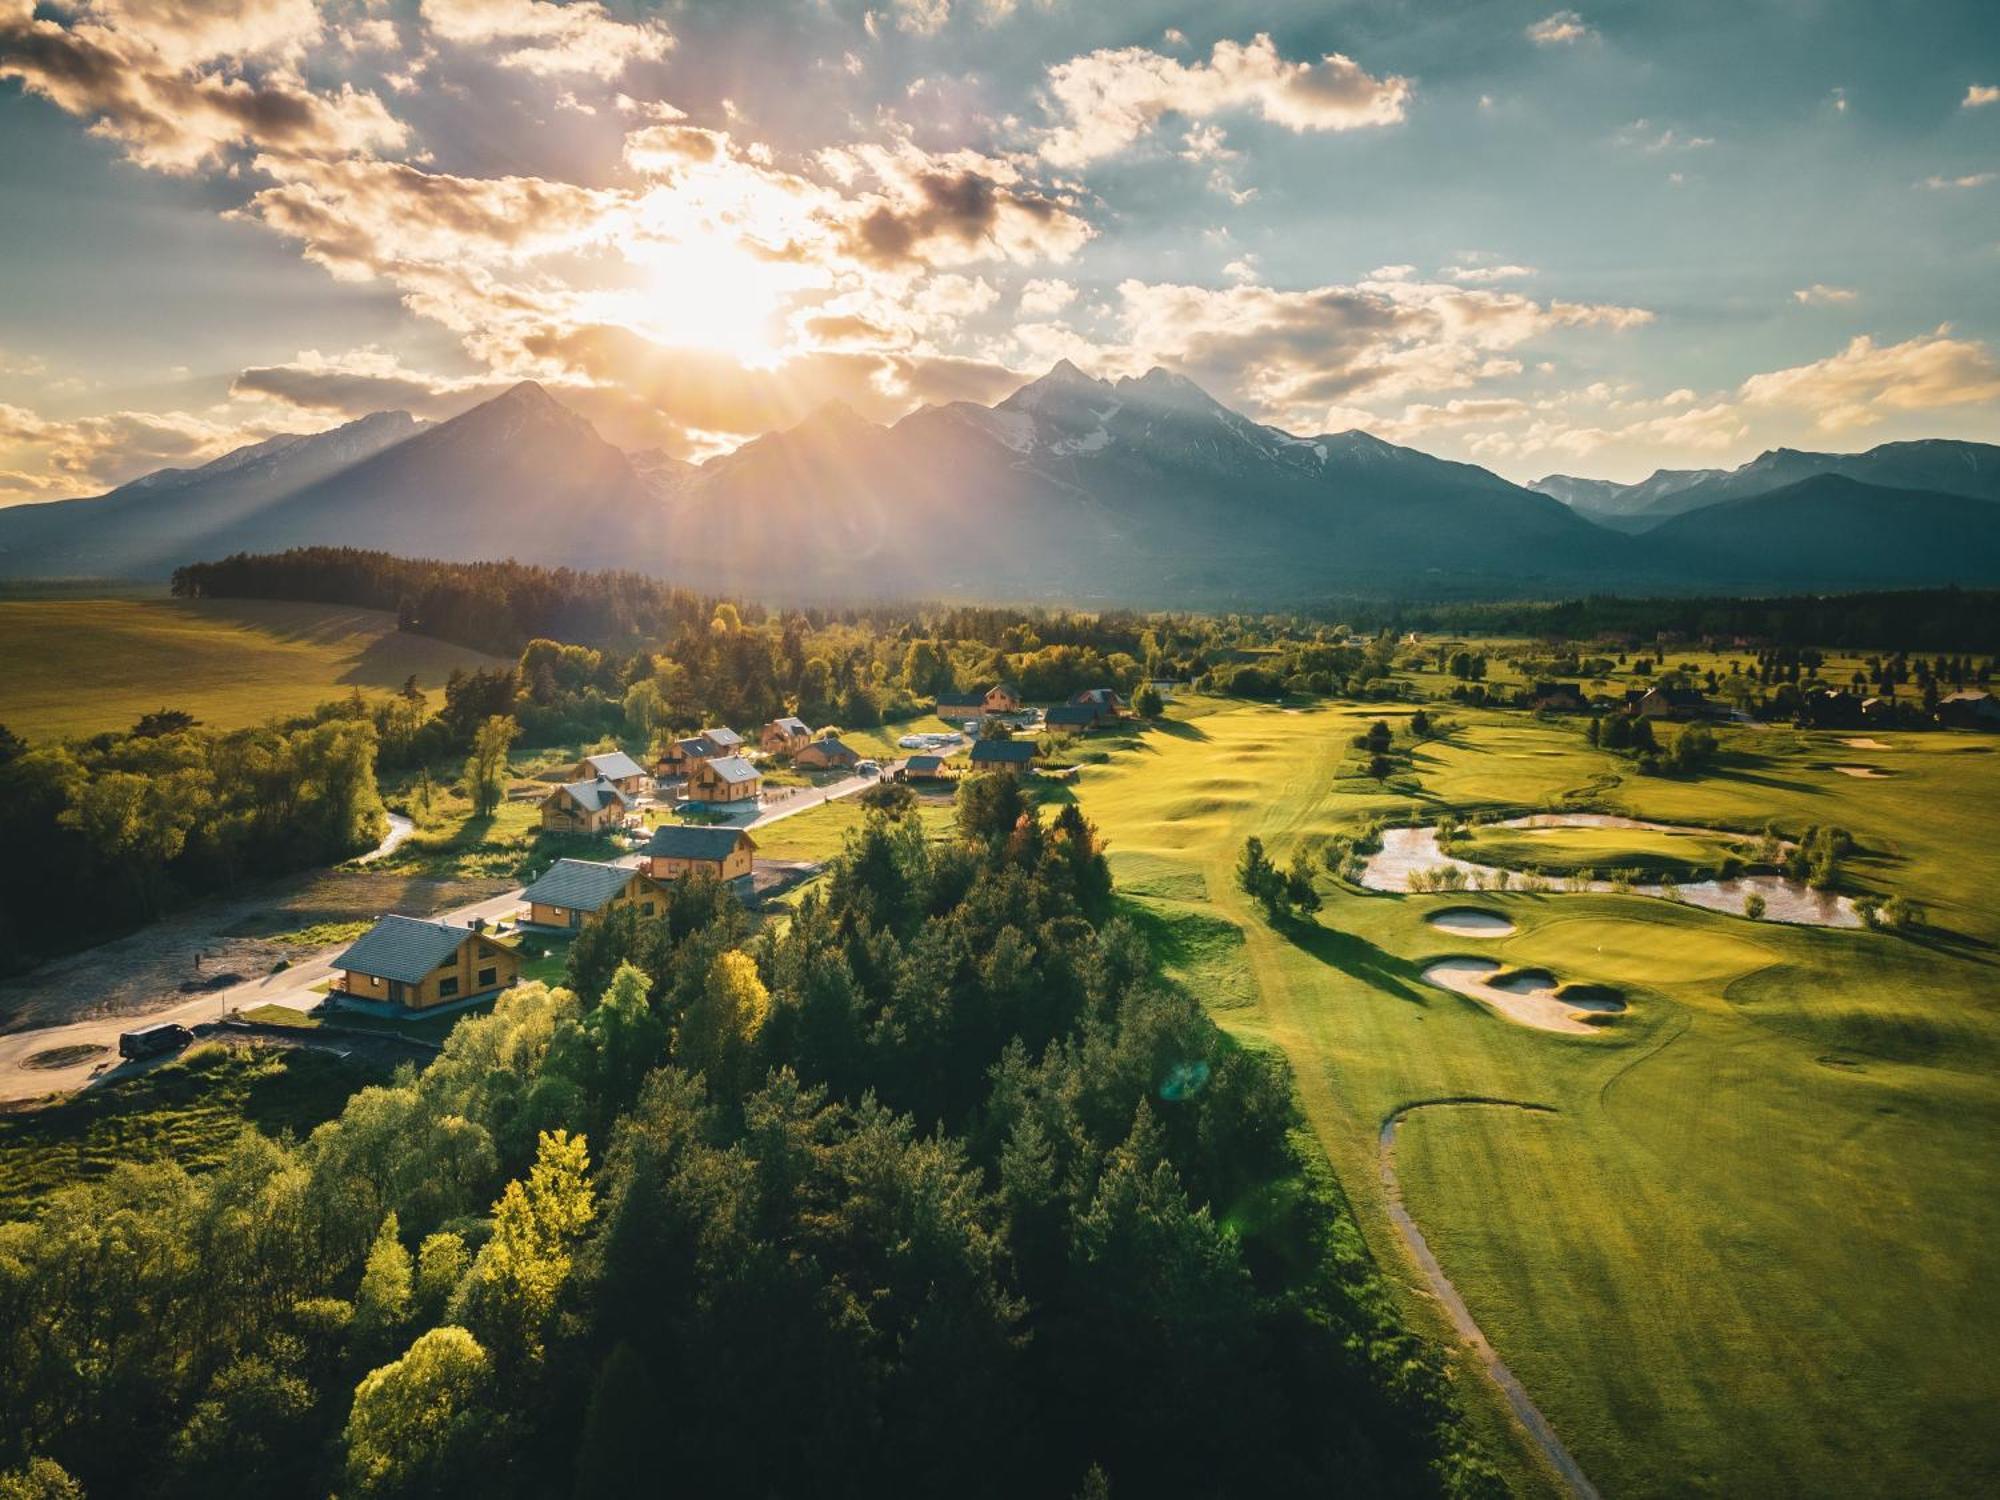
1750, 1246
81, 666
1556, 851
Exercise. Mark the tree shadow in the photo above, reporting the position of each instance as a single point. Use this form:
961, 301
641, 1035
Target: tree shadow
1181, 729
1358, 958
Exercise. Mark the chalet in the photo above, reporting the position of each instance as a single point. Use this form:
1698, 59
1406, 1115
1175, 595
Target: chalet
784, 737
576, 892
683, 755
616, 767
728, 778
924, 768
1000, 698
1003, 755
959, 710
1103, 699
1667, 703
1556, 697
1969, 710
680, 849
403, 961
1074, 718
585, 807
826, 754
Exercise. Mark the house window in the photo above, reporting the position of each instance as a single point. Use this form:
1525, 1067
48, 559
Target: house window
488, 977
645, 908
447, 987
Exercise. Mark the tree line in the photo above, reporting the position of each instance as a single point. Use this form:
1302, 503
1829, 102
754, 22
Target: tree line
936, 1188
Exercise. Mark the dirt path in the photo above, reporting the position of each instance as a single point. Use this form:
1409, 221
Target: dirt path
1518, 1399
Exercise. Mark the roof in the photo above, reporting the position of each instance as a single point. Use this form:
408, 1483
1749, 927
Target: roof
579, 884
1072, 713
1104, 696
1003, 752
969, 702
733, 768
833, 744
592, 795
614, 765
402, 948
923, 763
693, 841
723, 736
1966, 697
789, 725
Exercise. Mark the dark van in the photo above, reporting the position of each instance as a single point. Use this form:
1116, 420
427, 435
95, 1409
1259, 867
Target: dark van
155, 1040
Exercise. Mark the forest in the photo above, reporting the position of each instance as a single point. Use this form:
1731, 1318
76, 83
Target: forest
936, 1188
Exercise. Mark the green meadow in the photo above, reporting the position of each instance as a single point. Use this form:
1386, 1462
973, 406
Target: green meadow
1747, 1242
83, 666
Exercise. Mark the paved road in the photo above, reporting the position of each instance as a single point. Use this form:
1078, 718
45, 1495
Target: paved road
293, 987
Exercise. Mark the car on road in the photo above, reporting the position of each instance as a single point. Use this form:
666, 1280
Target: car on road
154, 1041
867, 768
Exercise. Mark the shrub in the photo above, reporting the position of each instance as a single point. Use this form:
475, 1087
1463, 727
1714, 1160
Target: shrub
1753, 907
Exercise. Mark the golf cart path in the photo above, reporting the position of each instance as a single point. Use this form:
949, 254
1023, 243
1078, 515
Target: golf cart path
1523, 1405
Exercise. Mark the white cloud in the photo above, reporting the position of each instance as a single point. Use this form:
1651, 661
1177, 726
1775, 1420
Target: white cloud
1561, 28
1979, 95
1109, 99
1819, 294
1044, 296
1865, 381
539, 36
1485, 275
1970, 180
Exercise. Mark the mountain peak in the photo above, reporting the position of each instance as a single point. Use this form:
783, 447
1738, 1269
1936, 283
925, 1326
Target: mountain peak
529, 393
1063, 381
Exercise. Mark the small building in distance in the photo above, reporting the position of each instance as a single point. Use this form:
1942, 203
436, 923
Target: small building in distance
728, 778
679, 850
1557, 697
576, 892
681, 756
785, 736
1003, 755
1831, 708
1969, 710
1105, 700
1073, 718
1667, 703
616, 767
924, 768
584, 807
980, 703
828, 754
405, 962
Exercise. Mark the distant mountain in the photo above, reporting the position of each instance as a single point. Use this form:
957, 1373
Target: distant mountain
1830, 532
1939, 465
1142, 490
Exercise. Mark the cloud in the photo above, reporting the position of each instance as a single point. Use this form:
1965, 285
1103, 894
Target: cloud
1979, 95
541, 37
1041, 297
1559, 29
1970, 180
1866, 381
178, 84
1642, 135
922, 17
357, 381
1819, 294
92, 454
950, 208
1109, 99
1485, 275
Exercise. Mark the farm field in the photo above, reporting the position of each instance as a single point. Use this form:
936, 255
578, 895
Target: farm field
1746, 1240
229, 663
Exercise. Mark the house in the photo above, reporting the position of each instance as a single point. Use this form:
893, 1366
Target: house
958, 710
824, 755
784, 737
924, 768
1667, 703
682, 849
1831, 708
584, 807
1103, 699
1969, 710
414, 964
727, 778
1556, 697
1000, 698
576, 892
1073, 717
616, 767
683, 755
1003, 755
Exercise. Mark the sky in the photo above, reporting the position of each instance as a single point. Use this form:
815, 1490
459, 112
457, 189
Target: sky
1548, 240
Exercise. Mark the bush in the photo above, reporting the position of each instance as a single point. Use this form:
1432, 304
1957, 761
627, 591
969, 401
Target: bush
1753, 907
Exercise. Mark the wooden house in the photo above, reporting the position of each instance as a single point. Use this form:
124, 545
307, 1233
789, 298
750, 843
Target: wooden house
1969, 710
1002, 698
827, 755
1667, 703
1105, 700
584, 807
924, 768
415, 964
616, 767
1557, 697
682, 755
1003, 755
785, 736
1073, 718
576, 892
728, 778
682, 849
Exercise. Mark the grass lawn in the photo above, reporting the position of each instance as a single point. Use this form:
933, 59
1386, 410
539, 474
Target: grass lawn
819, 832
1559, 851
81, 666
188, 1111
1751, 1248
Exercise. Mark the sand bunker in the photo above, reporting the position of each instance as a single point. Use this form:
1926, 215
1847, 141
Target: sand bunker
1531, 997
1469, 921
1866, 744
1863, 773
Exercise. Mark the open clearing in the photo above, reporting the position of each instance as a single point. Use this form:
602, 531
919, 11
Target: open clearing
82, 666
1749, 1244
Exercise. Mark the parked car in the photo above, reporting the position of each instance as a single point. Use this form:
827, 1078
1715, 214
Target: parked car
867, 768
154, 1041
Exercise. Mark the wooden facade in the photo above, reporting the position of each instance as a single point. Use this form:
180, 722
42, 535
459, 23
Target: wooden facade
480, 967
729, 779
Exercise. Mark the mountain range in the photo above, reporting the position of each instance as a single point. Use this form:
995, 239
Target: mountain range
1142, 490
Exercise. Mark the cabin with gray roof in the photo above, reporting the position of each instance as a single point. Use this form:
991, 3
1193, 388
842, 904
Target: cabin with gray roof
576, 892
785, 736
828, 754
727, 778
678, 850
682, 755
585, 807
1003, 755
406, 962
924, 768
1969, 710
616, 767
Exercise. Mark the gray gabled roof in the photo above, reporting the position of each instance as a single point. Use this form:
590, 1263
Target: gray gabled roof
727, 739
923, 763
1073, 713
1003, 752
833, 745
592, 795
579, 884
614, 765
402, 948
791, 725
693, 841
733, 768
